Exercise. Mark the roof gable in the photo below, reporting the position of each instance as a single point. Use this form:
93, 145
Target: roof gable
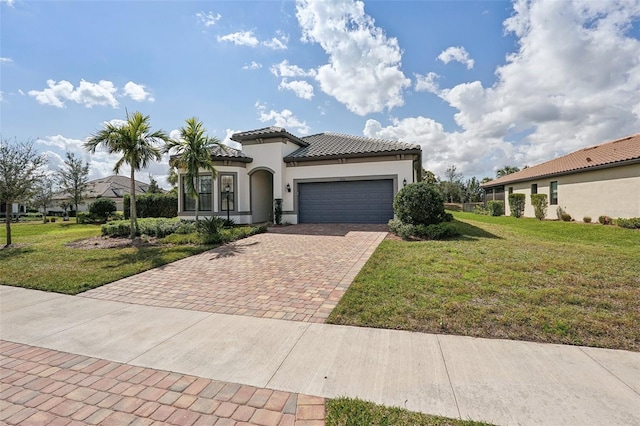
267, 133
608, 154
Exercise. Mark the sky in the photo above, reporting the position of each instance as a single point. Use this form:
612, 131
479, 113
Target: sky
478, 84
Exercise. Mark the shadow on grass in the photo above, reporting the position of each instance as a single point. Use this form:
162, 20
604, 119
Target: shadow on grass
13, 251
469, 232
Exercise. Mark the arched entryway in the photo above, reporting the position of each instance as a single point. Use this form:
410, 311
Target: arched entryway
261, 195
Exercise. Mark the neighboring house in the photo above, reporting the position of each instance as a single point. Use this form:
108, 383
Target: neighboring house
113, 187
600, 180
324, 178
17, 210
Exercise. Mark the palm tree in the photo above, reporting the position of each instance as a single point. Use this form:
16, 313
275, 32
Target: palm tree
507, 170
193, 153
135, 141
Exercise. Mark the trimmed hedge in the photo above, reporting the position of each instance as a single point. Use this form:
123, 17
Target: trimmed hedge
438, 231
153, 205
540, 205
152, 227
419, 204
495, 207
631, 223
516, 204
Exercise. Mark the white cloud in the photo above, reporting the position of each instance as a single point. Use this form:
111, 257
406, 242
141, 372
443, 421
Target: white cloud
363, 71
241, 38
21, 92
277, 43
458, 54
8, 2
252, 66
572, 82
5, 60
137, 92
284, 118
87, 93
301, 88
115, 122
285, 69
227, 139
208, 19
427, 82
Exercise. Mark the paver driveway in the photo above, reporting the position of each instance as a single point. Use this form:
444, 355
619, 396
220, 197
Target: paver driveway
296, 273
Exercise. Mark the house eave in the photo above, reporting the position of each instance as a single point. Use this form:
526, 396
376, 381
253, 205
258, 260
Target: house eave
409, 152
491, 184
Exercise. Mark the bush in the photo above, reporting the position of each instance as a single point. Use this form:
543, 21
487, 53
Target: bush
481, 210
631, 223
152, 227
516, 204
83, 217
586, 219
496, 208
540, 205
563, 215
419, 204
277, 211
102, 208
153, 205
439, 231
604, 220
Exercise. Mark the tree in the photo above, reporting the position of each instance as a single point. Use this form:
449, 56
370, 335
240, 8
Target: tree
43, 194
451, 187
173, 177
103, 208
72, 179
419, 204
135, 141
486, 179
472, 193
429, 177
65, 205
153, 186
506, 170
193, 153
21, 167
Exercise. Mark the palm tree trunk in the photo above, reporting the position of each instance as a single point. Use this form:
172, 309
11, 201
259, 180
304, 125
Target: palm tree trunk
195, 185
8, 222
132, 206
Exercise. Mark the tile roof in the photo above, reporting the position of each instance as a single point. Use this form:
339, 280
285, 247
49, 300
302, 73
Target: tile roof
331, 145
114, 186
226, 152
266, 132
608, 154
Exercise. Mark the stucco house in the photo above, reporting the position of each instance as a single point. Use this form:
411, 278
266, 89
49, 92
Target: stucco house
113, 187
595, 181
323, 178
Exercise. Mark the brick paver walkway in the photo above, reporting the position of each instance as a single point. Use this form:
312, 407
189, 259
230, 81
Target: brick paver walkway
295, 273
45, 387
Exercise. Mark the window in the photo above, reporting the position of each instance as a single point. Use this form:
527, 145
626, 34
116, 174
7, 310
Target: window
227, 181
553, 193
534, 188
510, 190
203, 186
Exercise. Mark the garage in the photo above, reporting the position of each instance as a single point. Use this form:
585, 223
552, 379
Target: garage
358, 201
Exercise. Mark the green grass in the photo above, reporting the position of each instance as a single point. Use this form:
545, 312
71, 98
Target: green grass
510, 278
355, 412
42, 261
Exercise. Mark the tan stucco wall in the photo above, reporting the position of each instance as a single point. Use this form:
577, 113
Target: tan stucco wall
613, 192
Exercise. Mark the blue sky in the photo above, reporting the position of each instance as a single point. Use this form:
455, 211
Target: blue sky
478, 84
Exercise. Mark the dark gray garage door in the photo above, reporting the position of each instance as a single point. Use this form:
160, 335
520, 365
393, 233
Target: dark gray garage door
361, 201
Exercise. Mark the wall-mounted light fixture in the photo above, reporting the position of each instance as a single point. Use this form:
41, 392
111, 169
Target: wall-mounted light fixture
404, 182
288, 188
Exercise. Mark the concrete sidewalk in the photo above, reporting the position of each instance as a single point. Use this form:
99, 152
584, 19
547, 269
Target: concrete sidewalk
499, 381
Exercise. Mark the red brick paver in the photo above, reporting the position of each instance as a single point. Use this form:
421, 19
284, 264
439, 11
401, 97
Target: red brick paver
297, 272
207, 402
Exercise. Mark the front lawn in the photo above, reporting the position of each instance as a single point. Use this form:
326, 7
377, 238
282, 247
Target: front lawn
507, 278
356, 412
41, 260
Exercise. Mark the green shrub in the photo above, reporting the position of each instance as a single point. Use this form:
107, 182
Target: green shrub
563, 215
153, 205
277, 211
516, 204
604, 220
152, 227
438, 231
540, 205
419, 204
631, 223
586, 219
102, 208
481, 210
83, 217
495, 207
